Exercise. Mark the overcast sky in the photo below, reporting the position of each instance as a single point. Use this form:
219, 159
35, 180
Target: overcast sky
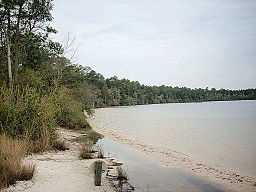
192, 43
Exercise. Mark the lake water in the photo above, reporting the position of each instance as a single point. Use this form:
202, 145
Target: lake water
151, 175
216, 133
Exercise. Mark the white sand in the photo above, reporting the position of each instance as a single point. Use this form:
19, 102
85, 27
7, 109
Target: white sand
61, 171
218, 175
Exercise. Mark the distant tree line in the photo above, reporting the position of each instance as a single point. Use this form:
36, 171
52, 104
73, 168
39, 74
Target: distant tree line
113, 92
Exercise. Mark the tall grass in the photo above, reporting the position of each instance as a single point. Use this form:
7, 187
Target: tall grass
24, 112
60, 145
86, 150
12, 168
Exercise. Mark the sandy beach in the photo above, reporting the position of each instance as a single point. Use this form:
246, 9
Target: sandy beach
215, 174
61, 171
64, 171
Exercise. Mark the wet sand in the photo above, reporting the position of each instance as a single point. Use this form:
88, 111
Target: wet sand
214, 174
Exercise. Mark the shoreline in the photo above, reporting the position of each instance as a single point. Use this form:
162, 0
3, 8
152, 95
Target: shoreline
112, 106
214, 174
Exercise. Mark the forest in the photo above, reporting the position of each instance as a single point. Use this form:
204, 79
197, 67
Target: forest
37, 76
113, 92
41, 84
41, 88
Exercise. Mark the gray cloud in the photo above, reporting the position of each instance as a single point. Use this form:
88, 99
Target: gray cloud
185, 43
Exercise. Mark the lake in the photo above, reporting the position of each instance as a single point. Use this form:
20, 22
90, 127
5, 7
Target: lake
216, 133
151, 175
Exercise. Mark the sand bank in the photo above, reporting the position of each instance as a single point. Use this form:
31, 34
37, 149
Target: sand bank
61, 171
215, 174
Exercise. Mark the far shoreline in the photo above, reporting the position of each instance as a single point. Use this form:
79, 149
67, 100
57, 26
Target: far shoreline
195, 102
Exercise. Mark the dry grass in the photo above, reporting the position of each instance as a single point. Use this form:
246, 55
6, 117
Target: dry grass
60, 145
93, 136
86, 151
26, 172
90, 135
11, 166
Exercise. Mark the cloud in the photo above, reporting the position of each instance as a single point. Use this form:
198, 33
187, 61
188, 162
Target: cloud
194, 44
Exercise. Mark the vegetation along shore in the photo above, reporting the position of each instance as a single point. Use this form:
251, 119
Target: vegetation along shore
41, 88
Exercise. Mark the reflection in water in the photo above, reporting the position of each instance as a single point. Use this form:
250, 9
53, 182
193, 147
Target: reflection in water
147, 174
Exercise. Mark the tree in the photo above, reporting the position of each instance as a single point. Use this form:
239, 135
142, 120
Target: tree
24, 23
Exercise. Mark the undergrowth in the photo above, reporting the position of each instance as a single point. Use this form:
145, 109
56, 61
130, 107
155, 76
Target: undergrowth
12, 168
86, 152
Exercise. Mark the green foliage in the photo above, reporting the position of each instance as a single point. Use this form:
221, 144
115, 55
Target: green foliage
24, 113
51, 91
114, 92
45, 82
29, 78
93, 136
73, 75
60, 145
4, 155
70, 112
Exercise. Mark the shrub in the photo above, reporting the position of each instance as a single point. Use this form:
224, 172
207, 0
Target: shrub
70, 112
60, 145
23, 112
26, 172
86, 151
11, 154
93, 136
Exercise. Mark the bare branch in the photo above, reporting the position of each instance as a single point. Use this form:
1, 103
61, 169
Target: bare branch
70, 48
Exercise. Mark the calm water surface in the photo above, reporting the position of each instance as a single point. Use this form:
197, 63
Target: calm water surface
217, 133
148, 175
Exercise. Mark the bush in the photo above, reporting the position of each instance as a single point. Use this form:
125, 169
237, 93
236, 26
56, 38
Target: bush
60, 145
70, 112
23, 112
86, 151
93, 136
11, 154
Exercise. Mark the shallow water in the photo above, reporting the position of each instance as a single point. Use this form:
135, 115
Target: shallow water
217, 133
147, 174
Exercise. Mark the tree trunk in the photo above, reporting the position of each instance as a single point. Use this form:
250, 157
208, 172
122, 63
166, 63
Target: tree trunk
9, 59
8, 43
16, 47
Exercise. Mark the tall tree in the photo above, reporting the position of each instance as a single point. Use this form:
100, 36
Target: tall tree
22, 23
